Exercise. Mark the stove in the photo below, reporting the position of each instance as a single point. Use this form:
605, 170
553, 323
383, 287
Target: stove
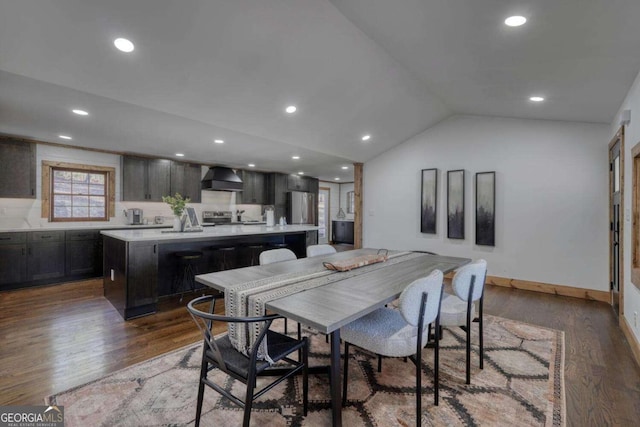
210, 218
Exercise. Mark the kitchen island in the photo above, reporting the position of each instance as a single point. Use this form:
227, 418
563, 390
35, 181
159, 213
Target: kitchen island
140, 265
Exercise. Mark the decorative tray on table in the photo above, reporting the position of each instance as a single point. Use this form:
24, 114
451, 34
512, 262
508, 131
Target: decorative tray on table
356, 262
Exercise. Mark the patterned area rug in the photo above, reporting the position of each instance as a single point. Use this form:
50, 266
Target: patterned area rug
522, 383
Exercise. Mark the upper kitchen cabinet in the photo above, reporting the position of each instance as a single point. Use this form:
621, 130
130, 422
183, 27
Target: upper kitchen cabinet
18, 171
254, 189
297, 183
145, 179
185, 179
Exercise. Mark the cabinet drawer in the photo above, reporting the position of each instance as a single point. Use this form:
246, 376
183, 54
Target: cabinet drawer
82, 235
12, 238
46, 236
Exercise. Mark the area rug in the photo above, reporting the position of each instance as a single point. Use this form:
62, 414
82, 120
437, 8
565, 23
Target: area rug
522, 383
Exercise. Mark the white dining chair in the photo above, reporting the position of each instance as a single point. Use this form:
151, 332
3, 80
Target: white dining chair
279, 255
402, 332
459, 309
276, 255
317, 250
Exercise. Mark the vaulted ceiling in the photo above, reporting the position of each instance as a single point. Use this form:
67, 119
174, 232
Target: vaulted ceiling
226, 69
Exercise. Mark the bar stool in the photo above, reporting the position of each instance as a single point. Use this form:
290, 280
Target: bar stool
254, 252
225, 258
186, 271
278, 246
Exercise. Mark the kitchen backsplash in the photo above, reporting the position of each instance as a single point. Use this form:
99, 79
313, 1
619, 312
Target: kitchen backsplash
25, 213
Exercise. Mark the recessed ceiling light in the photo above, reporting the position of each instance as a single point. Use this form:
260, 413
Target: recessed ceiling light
295, 157
64, 137
515, 21
345, 167
366, 137
124, 45
536, 99
300, 173
218, 141
251, 165
337, 178
179, 154
80, 112
291, 109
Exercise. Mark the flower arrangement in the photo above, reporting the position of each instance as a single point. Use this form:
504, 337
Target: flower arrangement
177, 203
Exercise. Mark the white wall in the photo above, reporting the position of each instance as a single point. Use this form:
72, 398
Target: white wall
551, 196
632, 138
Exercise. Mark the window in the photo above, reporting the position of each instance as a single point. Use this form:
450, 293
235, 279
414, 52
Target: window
77, 192
78, 195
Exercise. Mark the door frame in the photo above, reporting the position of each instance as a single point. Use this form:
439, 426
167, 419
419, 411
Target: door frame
619, 136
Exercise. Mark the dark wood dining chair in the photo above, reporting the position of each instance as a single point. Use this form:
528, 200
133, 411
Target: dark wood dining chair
219, 353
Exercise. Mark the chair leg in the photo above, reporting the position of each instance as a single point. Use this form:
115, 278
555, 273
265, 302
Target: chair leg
481, 332
379, 363
286, 326
419, 388
436, 372
248, 401
345, 378
468, 347
203, 374
305, 377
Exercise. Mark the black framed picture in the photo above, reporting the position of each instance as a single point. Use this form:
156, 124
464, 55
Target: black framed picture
486, 208
455, 204
429, 201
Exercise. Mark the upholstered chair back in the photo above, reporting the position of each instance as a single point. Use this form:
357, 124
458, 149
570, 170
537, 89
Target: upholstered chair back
462, 280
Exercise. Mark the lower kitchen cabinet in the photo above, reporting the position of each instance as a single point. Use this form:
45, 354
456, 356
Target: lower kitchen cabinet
131, 276
342, 232
45, 255
13, 259
83, 254
34, 258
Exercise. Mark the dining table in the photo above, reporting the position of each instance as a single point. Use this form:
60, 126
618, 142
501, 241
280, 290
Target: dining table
326, 300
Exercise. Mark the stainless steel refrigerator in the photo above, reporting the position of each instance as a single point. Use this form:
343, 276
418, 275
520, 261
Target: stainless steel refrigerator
301, 208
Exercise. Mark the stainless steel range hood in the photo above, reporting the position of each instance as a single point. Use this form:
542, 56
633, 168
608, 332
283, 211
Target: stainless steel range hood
219, 178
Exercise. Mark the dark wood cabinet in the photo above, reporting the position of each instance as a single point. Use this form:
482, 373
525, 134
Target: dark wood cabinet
277, 194
342, 232
253, 188
185, 179
297, 183
312, 238
45, 255
145, 179
18, 171
83, 254
142, 274
131, 276
13, 258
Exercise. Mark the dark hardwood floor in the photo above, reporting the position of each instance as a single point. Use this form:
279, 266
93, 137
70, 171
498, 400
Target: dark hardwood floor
56, 337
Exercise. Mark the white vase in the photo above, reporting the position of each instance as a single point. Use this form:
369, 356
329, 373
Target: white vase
177, 223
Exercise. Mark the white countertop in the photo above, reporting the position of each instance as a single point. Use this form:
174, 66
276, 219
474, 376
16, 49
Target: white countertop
66, 226
207, 233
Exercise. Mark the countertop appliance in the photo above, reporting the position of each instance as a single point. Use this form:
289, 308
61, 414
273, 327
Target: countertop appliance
210, 218
134, 216
301, 207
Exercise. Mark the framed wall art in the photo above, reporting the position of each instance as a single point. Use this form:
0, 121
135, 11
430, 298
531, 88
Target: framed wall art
455, 204
486, 208
429, 201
